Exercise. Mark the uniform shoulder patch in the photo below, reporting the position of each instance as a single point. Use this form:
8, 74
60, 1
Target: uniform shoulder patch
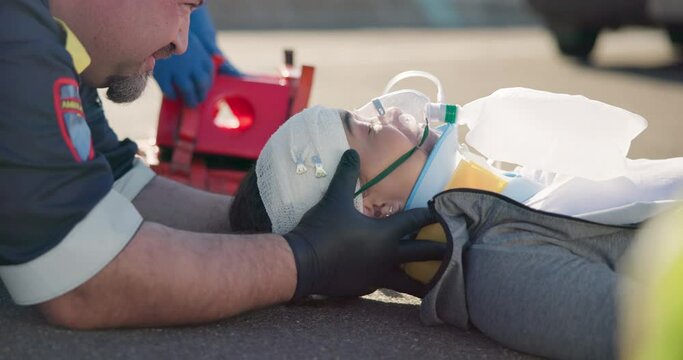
71, 119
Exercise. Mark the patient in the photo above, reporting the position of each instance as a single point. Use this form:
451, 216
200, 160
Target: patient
289, 184
532, 280
322, 135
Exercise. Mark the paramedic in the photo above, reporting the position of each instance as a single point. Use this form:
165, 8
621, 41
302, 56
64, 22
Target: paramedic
94, 239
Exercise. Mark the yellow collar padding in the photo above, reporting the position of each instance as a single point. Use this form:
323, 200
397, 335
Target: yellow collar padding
78, 53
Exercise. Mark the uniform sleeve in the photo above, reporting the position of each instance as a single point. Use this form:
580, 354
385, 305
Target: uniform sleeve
119, 154
61, 220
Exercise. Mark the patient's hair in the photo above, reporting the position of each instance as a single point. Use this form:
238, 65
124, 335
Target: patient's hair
247, 213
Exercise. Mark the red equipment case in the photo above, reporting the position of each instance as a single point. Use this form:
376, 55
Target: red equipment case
211, 147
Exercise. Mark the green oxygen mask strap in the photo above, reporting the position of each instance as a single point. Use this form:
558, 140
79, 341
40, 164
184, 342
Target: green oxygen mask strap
393, 165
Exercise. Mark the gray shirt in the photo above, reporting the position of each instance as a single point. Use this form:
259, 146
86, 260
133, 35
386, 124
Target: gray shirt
537, 282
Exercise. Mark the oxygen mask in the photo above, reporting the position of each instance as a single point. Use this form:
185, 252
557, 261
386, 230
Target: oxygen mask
429, 123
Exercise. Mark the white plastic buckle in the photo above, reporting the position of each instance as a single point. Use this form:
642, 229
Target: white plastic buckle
379, 107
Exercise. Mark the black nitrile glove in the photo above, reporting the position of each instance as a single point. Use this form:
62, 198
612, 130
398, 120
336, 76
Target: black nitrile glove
341, 252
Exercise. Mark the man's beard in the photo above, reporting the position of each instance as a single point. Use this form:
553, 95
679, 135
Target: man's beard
125, 89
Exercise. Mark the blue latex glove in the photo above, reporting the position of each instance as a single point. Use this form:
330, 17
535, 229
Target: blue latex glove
190, 76
202, 26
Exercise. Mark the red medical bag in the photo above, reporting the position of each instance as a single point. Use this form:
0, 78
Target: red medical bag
211, 147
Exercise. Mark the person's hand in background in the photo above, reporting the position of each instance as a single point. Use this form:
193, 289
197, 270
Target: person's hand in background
202, 27
189, 76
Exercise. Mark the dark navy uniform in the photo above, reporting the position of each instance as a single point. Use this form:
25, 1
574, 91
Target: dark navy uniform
59, 160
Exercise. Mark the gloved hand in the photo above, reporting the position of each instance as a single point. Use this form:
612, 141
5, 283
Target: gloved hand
190, 75
341, 252
202, 27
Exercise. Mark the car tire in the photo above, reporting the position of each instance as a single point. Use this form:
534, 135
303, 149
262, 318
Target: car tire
575, 41
676, 36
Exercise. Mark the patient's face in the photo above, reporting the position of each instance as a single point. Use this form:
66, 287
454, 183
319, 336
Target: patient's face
379, 142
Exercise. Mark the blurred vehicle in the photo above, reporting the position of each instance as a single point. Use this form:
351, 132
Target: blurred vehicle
576, 24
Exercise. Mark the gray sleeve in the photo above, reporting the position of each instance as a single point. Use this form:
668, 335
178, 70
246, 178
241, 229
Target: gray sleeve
543, 300
533, 281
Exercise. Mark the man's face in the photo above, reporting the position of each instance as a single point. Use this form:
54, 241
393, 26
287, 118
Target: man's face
125, 38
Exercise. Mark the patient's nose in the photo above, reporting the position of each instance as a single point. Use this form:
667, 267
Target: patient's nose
391, 116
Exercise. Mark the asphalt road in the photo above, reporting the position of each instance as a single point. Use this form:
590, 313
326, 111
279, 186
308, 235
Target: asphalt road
377, 327
634, 69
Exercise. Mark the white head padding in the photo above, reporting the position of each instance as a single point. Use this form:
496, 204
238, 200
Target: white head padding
296, 166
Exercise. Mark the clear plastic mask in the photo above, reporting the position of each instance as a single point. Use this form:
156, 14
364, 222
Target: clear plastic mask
410, 102
415, 111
